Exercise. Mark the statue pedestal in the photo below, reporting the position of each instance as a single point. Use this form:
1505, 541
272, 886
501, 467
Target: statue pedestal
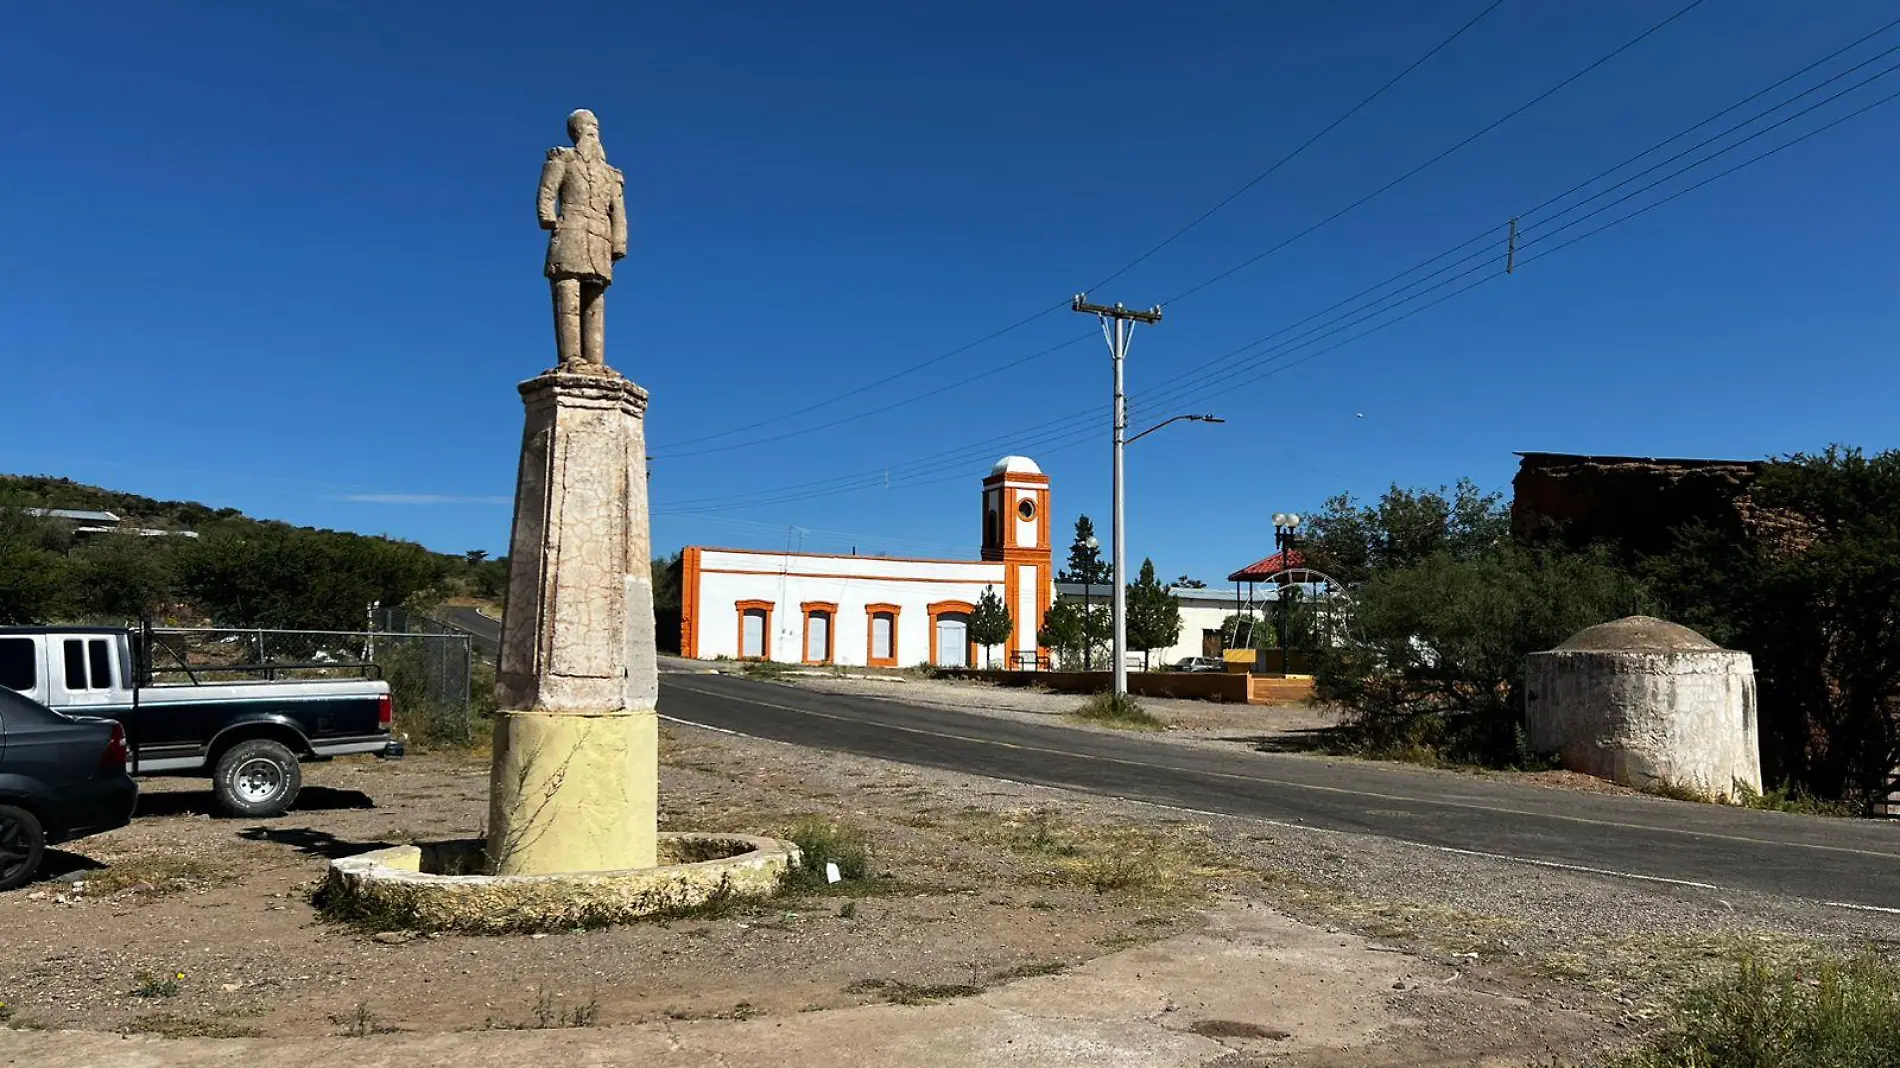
575, 781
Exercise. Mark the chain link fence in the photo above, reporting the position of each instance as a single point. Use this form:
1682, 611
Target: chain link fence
439, 686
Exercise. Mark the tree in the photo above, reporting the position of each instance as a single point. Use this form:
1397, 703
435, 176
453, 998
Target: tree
1088, 569
668, 576
1154, 616
32, 571
1814, 605
1352, 543
122, 577
1435, 654
1085, 561
1063, 630
990, 624
475, 556
275, 575
1186, 583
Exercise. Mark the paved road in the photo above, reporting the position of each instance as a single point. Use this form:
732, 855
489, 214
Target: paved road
1849, 862
484, 633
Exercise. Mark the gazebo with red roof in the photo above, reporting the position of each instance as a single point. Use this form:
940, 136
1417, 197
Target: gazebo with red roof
1262, 570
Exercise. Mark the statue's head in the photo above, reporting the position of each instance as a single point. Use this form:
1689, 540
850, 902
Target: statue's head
582, 124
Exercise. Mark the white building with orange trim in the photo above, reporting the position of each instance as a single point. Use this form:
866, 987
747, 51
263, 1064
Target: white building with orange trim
878, 611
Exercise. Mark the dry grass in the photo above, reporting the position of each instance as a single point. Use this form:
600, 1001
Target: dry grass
1649, 973
156, 873
1105, 859
1834, 1014
1427, 925
178, 1025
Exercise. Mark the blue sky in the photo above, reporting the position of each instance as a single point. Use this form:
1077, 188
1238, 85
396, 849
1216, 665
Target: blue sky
282, 257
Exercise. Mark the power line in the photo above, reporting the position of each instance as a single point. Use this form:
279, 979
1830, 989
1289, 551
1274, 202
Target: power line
1125, 268
1058, 430
1017, 362
1508, 116
1304, 145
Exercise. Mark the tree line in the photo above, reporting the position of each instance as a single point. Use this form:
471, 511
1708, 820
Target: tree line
1443, 606
237, 572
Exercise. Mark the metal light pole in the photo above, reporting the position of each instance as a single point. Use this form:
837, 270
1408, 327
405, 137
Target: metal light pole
1116, 330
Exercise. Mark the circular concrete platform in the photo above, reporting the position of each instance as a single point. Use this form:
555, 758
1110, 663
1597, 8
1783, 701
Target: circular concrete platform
437, 886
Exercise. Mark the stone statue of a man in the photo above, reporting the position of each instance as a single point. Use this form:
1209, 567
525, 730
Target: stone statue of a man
583, 201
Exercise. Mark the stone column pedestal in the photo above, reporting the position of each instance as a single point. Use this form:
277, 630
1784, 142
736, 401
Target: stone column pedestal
574, 785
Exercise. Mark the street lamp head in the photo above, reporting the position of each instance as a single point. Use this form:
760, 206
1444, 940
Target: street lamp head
1092, 542
1207, 418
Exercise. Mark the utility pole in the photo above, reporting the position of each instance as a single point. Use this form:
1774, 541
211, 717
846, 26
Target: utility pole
1117, 328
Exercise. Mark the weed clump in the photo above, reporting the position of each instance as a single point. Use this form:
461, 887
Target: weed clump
820, 844
1123, 712
1842, 1014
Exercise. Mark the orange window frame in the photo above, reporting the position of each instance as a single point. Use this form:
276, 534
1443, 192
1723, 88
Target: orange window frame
871, 612
943, 608
742, 608
829, 609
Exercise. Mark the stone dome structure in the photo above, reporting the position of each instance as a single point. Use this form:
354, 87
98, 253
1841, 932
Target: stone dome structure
1015, 465
1647, 702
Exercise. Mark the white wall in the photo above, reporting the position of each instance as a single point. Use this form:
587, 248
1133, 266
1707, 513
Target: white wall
1201, 609
727, 577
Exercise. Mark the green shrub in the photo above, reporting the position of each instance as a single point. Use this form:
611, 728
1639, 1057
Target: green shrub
1434, 666
1124, 712
1840, 1015
821, 843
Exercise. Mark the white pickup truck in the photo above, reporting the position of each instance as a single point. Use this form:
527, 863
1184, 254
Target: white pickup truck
249, 735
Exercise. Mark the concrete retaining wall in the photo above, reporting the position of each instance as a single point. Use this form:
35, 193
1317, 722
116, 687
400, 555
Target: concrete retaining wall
1226, 687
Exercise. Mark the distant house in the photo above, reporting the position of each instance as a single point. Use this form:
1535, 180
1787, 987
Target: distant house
86, 523
1204, 614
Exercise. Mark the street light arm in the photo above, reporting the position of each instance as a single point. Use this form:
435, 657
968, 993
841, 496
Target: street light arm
1174, 419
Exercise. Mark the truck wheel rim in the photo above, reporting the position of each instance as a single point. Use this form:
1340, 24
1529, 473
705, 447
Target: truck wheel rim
258, 780
14, 850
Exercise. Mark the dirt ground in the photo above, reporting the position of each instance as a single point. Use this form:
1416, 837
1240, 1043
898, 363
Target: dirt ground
188, 925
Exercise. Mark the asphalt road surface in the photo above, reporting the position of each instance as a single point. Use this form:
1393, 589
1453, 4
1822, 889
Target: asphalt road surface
484, 633
1854, 863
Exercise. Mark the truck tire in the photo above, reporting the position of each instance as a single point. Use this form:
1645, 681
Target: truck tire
257, 779
22, 844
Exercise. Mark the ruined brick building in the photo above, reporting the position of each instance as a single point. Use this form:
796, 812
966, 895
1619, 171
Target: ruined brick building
1637, 503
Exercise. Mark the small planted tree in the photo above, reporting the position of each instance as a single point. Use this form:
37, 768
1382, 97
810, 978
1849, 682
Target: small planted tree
1154, 616
990, 624
1064, 630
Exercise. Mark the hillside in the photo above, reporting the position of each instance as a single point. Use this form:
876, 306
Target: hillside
237, 570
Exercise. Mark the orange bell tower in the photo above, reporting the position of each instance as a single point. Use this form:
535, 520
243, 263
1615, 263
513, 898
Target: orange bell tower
1016, 534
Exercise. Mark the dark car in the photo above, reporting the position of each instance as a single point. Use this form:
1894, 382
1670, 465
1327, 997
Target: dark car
61, 777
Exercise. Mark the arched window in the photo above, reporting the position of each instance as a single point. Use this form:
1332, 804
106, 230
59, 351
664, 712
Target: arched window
755, 630
820, 623
881, 635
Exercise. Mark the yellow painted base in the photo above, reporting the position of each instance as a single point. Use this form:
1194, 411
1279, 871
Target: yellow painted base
573, 792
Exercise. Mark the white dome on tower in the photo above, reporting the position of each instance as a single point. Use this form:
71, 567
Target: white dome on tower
1015, 465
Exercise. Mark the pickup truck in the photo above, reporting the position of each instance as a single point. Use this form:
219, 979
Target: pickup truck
249, 734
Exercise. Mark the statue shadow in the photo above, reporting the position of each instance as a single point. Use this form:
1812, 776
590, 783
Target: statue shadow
310, 842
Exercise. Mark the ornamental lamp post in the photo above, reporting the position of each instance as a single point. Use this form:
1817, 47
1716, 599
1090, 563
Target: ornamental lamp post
1284, 524
1091, 543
